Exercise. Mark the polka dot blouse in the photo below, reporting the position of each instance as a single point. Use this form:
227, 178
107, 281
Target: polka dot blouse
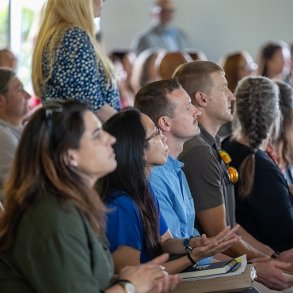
75, 73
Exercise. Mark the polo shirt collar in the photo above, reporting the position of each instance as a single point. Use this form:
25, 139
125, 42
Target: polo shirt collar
212, 141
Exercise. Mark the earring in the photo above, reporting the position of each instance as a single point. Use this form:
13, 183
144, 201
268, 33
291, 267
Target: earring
74, 164
144, 163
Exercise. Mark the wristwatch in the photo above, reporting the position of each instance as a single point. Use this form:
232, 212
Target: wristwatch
127, 286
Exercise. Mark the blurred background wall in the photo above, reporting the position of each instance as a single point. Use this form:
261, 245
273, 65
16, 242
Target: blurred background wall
214, 26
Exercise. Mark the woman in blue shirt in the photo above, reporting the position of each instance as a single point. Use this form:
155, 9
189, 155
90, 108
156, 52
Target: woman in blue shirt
135, 229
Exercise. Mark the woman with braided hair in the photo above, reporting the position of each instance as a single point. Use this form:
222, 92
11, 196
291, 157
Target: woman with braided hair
264, 204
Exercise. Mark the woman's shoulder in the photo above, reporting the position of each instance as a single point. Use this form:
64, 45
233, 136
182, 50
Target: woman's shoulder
231, 144
121, 201
119, 197
235, 148
75, 31
74, 36
52, 215
265, 164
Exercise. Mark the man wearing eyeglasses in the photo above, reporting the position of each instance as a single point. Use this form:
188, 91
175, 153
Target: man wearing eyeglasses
162, 34
13, 108
207, 167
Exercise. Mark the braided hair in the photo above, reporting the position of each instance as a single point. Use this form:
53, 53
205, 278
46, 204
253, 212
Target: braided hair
257, 108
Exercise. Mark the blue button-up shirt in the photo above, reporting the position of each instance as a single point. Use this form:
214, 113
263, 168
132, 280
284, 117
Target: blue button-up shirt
171, 189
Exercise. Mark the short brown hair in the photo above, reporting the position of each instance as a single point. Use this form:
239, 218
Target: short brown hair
152, 99
195, 76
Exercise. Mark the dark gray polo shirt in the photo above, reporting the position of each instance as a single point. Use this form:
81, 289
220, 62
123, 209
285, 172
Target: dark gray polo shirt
206, 174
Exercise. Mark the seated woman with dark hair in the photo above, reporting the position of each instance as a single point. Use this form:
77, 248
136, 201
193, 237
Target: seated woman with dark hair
140, 231
274, 60
52, 231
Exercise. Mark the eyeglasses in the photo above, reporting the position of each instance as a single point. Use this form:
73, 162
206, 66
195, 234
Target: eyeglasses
232, 172
156, 133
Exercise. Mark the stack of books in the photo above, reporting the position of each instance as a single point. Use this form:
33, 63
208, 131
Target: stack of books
227, 276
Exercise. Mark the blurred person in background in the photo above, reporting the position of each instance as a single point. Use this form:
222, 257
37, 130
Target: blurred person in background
123, 62
236, 65
274, 60
8, 59
197, 55
13, 109
162, 34
145, 68
167, 62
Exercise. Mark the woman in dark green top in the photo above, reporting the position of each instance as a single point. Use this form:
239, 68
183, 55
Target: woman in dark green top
52, 232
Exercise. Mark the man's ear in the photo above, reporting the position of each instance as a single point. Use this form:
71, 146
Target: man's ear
164, 123
200, 99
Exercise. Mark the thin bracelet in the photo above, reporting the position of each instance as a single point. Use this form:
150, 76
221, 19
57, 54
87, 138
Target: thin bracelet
194, 263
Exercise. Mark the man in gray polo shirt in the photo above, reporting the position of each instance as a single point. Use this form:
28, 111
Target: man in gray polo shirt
206, 172
13, 108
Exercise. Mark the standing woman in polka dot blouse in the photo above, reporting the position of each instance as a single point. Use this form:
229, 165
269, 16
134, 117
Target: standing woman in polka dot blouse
67, 60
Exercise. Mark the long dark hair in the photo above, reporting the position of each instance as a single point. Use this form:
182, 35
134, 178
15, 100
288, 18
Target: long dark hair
265, 54
129, 175
40, 169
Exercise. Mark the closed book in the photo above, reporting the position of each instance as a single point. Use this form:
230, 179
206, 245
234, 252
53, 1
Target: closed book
215, 268
229, 282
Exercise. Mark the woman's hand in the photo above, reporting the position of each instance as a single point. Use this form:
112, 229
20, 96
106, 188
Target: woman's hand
226, 234
214, 245
150, 277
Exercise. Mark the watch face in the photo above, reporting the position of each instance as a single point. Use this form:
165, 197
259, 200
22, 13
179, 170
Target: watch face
129, 287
